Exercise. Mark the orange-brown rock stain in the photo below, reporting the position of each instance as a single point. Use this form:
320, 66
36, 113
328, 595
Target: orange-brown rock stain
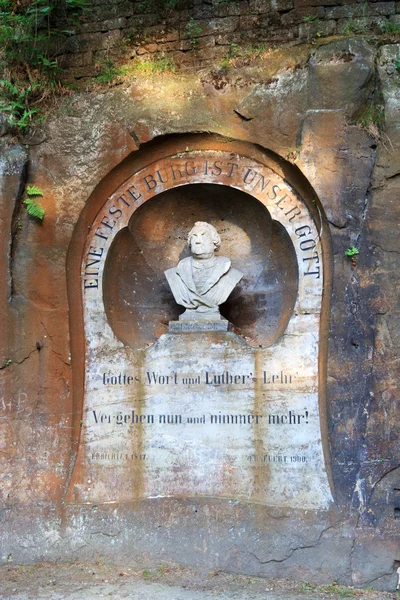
138, 470
261, 469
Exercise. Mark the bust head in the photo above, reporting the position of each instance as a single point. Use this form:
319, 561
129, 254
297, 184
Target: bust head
203, 240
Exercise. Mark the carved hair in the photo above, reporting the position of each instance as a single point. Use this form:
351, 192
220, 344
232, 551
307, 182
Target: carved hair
211, 230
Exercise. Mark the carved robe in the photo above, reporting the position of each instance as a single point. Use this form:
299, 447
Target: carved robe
219, 284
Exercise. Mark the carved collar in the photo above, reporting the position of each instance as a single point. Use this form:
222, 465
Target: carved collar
184, 270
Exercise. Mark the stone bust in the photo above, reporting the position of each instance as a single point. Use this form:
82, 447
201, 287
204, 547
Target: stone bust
202, 281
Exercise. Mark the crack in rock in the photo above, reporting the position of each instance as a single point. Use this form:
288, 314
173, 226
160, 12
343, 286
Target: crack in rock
293, 550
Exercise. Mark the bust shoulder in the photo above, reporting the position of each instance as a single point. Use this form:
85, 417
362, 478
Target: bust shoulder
185, 262
223, 261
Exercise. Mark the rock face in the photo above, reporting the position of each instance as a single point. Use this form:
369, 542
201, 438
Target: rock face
311, 119
198, 32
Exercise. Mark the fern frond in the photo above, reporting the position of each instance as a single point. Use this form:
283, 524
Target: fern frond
7, 85
33, 190
27, 91
34, 208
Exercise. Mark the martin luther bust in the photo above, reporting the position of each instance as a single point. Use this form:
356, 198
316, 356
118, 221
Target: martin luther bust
202, 281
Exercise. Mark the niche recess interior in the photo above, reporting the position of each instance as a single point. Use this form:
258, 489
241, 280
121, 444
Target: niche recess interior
137, 299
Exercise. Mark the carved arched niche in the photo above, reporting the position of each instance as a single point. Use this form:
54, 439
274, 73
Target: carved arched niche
137, 299
134, 227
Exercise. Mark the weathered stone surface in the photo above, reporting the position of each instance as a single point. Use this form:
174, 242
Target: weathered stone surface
362, 25
310, 31
380, 466
226, 9
203, 42
13, 170
332, 153
259, 6
138, 21
248, 22
202, 27
282, 5
297, 15
388, 160
92, 41
301, 107
83, 59
379, 553
344, 12
348, 67
161, 34
267, 102
381, 8
5, 127
107, 25
309, 3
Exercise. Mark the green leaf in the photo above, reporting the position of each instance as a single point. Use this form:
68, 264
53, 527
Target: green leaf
33, 190
353, 251
25, 118
34, 208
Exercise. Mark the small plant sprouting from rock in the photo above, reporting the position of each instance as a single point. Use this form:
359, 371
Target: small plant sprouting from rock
110, 73
146, 573
353, 253
293, 154
34, 208
349, 27
16, 100
313, 29
330, 588
162, 569
160, 64
390, 27
193, 31
233, 50
372, 120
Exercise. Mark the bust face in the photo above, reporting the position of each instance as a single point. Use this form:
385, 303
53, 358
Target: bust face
201, 243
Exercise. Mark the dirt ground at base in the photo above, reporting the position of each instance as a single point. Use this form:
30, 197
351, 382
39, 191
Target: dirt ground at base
87, 581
